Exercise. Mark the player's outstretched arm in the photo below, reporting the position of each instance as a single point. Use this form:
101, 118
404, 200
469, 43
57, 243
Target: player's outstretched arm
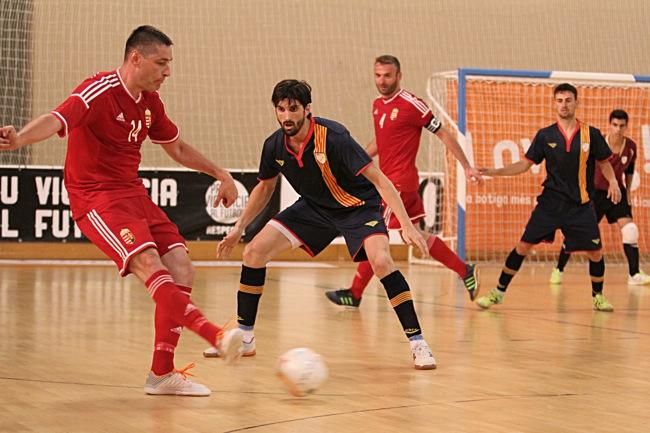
509, 170
37, 130
259, 197
393, 200
189, 157
453, 146
613, 191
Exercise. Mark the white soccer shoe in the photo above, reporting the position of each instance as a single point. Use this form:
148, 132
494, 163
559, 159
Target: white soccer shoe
638, 279
175, 383
422, 356
247, 349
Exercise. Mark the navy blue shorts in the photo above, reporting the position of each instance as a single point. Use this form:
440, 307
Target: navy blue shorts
577, 222
316, 227
613, 212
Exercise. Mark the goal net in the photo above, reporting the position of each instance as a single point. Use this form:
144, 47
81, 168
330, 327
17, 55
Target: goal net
498, 114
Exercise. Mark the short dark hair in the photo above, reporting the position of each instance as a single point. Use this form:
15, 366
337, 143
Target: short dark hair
145, 37
293, 90
565, 87
619, 114
387, 59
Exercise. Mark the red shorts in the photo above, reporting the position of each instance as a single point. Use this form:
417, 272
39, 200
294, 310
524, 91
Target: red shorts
414, 208
122, 228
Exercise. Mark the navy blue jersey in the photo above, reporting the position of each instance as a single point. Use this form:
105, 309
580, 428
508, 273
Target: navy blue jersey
326, 171
570, 161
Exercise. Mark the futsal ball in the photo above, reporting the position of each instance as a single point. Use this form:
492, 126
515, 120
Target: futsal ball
302, 371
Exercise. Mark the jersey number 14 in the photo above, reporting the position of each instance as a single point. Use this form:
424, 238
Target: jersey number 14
135, 130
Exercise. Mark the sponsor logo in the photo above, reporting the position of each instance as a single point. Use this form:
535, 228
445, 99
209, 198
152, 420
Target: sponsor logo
552, 145
371, 223
411, 331
221, 214
320, 157
394, 113
585, 147
595, 241
120, 117
375, 112
127, 236
147, 118
280, 162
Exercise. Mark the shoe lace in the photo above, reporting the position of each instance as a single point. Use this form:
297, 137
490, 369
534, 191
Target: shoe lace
494, 296
183, 371
421, 349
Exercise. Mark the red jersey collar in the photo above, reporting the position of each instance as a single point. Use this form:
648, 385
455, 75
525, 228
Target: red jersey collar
568, 140
301, 149
392, 98
125, 88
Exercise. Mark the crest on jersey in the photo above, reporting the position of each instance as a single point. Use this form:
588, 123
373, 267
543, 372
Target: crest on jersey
394, 113
552, 145
321, 157
147, 118
623, 159
127, 236
585, 147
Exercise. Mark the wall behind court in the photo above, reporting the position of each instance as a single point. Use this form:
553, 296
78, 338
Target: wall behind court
229, 54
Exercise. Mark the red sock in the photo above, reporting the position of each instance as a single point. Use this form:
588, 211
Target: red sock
166, 339
361, 279
172, 300
442, 253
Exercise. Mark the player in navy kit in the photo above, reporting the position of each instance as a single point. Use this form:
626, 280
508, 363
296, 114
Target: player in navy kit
571, 150
340, 192
624, 154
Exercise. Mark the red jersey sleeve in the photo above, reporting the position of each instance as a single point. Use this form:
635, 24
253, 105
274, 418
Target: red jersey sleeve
162, 129
421, 114
72, 113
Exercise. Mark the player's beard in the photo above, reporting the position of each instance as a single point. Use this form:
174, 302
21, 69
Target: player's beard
566, 115
388, 90
296, 126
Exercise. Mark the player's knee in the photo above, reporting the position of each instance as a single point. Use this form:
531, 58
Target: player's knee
595, 255
523, 248
183, 272
382, 264
254, 256
630, 233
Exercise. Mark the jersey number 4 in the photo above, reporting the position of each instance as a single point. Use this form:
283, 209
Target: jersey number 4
135, 130
381, 121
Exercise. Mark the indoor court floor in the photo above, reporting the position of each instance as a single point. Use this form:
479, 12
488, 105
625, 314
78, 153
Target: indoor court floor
75, 346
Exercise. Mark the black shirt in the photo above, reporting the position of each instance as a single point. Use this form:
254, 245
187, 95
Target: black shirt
570, 161
326, 171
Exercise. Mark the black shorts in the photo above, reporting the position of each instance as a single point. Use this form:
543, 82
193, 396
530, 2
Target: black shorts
316, 227
605, 207
577, 222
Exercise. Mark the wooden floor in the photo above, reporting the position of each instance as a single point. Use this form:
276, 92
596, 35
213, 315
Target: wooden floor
75, 348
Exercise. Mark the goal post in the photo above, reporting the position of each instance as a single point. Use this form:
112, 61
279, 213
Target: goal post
496, 114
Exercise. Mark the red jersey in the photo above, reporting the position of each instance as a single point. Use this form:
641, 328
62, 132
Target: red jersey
106, 126
622, 163
398, 128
